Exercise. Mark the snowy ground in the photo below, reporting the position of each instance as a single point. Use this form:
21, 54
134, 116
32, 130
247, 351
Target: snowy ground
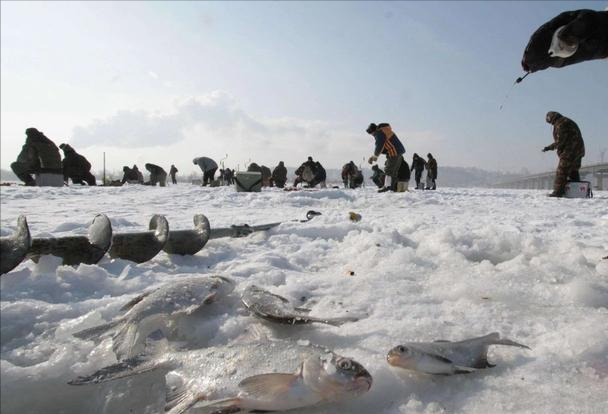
449, 264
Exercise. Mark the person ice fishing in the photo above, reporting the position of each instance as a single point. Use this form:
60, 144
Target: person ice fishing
570, 147
129, 176
570, 37
208, 167
352, 177
140, 176
38, 154
389, 144
172, 173
157, 175
306, 172
279, 175
76, 167
418, 165
403, 175
378, 176
431, 172
320, 176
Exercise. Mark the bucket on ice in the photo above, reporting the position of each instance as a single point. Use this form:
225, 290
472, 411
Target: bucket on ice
578, 189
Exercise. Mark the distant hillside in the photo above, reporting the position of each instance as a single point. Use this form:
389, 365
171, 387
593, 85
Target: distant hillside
446, 177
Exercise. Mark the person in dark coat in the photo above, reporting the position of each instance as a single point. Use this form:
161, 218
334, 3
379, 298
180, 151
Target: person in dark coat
570, 147
228, 176
38, 154
570, 37
129, 176
403, 176
352, 177
76, 167
208, 167
266, 176
387, 142
172, 173
279, 175
306, 173
431, 172
157, 175
418, 165
320, 176
378, 176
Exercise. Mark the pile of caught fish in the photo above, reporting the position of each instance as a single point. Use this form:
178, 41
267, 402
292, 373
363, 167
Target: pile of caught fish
251, 374
255, 374
137, 247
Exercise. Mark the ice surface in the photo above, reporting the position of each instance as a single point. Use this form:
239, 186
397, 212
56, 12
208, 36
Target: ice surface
419, 266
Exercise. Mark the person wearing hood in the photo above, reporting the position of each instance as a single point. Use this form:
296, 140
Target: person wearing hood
352, 177
387, 142
570, 147
320, 176
172, 173
279, 175
140, 176
418, 165
39, 154
208, 167
76, 167
157, 175
431, 172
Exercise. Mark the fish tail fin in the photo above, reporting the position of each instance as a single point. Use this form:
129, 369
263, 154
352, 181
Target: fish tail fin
334, 321
495, 339
126, 340
95, 332
458, 369
127, 368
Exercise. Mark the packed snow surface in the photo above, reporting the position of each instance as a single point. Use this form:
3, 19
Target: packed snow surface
420, 266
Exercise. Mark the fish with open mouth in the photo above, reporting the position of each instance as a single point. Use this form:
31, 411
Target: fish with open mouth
156, 309
445, 357
277, 309
260, 375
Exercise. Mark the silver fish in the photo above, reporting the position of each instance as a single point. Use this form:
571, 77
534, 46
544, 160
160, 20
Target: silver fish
156, 309
277, 309
259, 375
445, 357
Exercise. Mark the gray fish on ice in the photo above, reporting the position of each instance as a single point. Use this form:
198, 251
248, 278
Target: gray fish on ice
260, 375
156, 309
277, 309
445, 357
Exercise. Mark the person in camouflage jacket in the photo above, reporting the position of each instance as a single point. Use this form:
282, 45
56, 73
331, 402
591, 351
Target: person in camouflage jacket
568, 142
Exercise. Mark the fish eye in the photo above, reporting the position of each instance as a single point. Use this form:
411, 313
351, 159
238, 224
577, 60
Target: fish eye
345, 364
402, 349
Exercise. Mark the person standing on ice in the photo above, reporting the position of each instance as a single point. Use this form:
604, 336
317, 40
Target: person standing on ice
431, 172
38, 154
418, 164
208, 167
570, 147
76, 167
172, 173
387, 143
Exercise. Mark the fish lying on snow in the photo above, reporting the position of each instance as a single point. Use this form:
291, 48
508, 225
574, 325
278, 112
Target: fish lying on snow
156, 309
445, 357
276, 308
259, 375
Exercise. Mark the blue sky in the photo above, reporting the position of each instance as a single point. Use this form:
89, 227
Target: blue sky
163, 82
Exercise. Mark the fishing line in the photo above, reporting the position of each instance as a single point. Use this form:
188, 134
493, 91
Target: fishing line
518, 80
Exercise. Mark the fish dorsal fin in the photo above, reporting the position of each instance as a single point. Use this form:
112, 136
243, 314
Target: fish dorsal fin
135, 301
267, 386
442, 340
